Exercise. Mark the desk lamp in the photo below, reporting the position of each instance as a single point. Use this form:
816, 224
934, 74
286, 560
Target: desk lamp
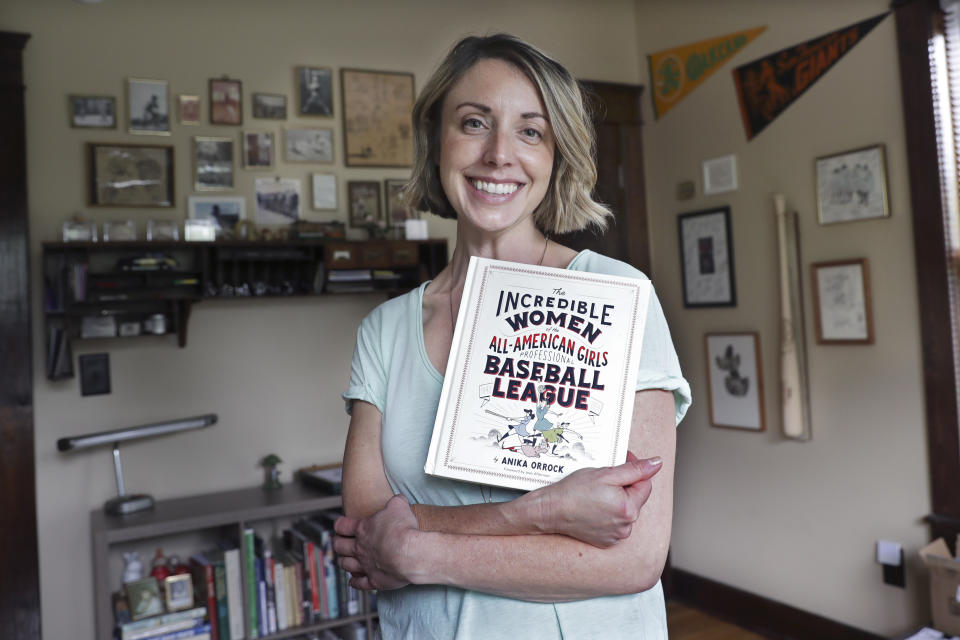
124, 504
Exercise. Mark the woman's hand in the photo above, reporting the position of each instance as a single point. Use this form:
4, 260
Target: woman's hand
375, 549
596, 506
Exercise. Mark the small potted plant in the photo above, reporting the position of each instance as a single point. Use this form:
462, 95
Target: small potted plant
271, 480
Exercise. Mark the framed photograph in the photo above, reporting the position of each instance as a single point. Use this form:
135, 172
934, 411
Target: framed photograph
119, 230
852, 186
163, 230
178, 592
213, 163
313, 145
78, 231
720, 175
259, 148
226, 101
314, 91
706, 258
735, 379
841, 302
270, 106
377, 108
364, 202
278, 200
148, 106
143, 598
224, 211
93, 112
130, 175
397, 212
324, 191
189, 109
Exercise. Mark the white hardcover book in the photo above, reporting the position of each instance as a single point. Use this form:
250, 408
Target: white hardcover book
280, 595
541, 376
231, 562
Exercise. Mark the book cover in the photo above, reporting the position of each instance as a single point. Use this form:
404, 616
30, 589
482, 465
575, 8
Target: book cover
231, 561
541, 376
271, 595
149, 628
280, 594
204, 581
250, 573
223, 612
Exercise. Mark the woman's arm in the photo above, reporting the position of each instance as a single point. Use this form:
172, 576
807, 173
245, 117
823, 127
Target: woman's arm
388, 549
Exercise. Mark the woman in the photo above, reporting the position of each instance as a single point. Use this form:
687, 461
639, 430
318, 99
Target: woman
503, 144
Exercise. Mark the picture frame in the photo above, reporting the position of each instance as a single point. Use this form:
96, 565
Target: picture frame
119, 230
259, 149
213, 163
92, 112
311, 145
377, 108
225, 212
178, 592
277, 200
363, 197
324, 191
270, 106
720, 175
226, 101
852, 186
148, 106
130, 175
842, 301
189, 109
143, 598
706, 258
735, 380
397, 213
163, 230
314, 91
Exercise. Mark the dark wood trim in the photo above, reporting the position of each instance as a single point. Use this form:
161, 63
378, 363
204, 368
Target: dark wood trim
915, 26
19, 564
756, 613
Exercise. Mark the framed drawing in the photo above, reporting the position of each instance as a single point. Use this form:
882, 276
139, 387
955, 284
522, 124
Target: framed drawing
720, 175
148, 106
313, 145
278, 200
735, 378
143, 598
377, 109
258, 149
213, 163
397, 211
841, 302
226, 101
270, 106
130, 175
314, 91
324, 191
189, 109
852, 186
706, 258
364, 202
93, 112
223, 211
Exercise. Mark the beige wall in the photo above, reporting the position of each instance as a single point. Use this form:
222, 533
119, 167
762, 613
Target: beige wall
795, 522
271, 370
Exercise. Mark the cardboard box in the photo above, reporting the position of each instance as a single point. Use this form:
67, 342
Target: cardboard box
944, 586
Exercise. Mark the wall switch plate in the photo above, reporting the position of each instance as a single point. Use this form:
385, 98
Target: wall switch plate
890, 557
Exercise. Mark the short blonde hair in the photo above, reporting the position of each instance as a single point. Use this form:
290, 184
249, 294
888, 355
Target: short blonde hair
568, 204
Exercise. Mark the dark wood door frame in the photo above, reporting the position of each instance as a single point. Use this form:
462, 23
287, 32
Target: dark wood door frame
19, 566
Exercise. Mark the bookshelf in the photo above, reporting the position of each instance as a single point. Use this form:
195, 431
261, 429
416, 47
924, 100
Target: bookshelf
109, 290
229, 511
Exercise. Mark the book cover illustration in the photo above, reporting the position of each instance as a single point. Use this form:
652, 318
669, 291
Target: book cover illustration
541, 375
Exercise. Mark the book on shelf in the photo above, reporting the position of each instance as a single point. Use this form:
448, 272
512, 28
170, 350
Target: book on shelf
348, 275
234, 580
157, 626
199, 631
250, 584
329, 478
203, 571
348, 598
541, 375
270, 593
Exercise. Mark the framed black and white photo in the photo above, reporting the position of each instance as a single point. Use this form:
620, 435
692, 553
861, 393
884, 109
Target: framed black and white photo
852, 186
313, 145
213, 163
223, 211
706, 258
259, 148
324, 191
143, 598
278, 200
130, 175
314, 91
226, 101
148, 106
363, 197
93, 112
397, 211
270, 106
841, 301
735, 379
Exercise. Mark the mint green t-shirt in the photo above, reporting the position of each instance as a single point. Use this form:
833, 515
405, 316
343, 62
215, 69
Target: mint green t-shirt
391, 370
